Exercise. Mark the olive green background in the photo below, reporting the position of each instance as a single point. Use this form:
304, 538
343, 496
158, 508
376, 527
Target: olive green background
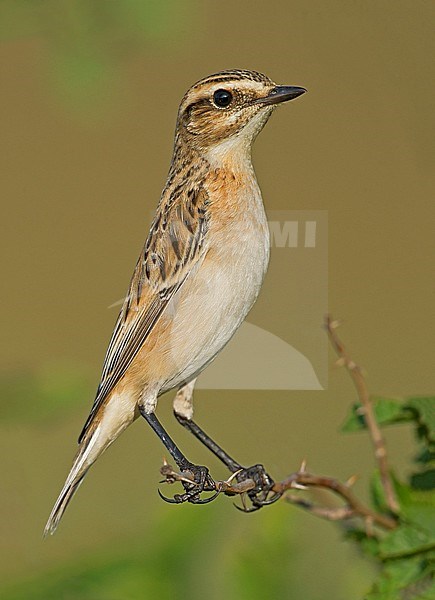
89, 93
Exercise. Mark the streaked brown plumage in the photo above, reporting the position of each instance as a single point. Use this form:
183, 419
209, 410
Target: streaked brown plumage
201, 267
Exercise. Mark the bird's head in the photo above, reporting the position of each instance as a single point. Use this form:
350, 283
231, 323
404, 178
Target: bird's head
229, 107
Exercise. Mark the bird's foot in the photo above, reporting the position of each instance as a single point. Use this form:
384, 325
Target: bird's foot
194, 478
261, 494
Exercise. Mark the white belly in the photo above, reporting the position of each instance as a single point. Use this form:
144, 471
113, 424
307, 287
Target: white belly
216, 298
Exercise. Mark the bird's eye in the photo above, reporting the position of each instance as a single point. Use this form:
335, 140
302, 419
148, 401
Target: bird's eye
222, 98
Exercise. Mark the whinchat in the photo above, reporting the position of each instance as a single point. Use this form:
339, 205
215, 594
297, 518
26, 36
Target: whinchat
195, 281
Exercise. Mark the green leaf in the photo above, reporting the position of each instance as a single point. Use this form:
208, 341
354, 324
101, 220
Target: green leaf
378, 493
406, 540
417, 506
407, 495
423, 480
424, 408
387, 412
369, 545
409, 578
426, 456
353, 421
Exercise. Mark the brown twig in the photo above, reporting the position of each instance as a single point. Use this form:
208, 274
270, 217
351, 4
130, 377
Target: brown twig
231, 486
352, 508
367, 410
301, 479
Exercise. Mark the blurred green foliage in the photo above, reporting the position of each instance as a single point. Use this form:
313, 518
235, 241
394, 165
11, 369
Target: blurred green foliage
38, 397
406, 554
87, 41
184, 555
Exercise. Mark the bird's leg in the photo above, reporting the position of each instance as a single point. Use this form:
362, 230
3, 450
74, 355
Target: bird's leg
202, 481
183, 411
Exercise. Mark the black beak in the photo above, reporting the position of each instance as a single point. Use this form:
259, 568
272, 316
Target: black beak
281, 93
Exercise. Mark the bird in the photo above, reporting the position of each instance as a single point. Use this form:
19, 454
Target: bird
197, 277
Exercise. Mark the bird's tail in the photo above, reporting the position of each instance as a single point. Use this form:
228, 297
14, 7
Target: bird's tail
107, 425
88, 452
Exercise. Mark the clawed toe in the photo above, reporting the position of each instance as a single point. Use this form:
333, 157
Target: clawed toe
260, 495
253, 484
195, 480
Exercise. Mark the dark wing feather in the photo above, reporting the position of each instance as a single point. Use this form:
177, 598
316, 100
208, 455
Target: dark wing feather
174, 246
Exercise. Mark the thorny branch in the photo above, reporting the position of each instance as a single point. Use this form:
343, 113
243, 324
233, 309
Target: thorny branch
302, 480
352, 508
366, 410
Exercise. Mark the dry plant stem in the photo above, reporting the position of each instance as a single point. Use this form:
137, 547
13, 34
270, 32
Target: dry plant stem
369, 416
331, 514
353, 507
227, 487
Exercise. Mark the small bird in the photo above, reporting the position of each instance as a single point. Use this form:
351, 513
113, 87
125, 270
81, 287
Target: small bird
195, 281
